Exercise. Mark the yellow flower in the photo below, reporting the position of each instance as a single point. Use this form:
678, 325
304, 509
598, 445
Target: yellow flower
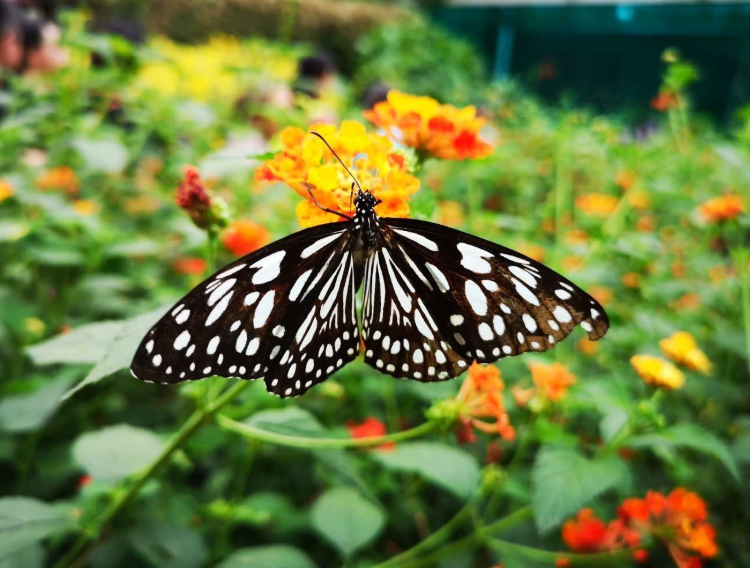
658, 372
306, 165
683, 350
597, 204
6, 190
85, 207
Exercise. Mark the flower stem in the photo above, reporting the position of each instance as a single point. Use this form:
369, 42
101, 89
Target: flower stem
253, 432
82, 546
539, 555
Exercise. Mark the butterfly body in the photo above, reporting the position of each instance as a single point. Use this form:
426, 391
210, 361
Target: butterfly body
435, 299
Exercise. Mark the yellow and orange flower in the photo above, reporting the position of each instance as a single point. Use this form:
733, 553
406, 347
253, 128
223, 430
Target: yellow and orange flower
657, 372
683, 350
244, 236
433, 129
6, 190
306, 165
481, 396
723, 208
553, 380
597, 204
60, 178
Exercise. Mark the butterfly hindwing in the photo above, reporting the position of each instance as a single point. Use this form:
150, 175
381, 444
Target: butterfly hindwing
264, 315
473, 299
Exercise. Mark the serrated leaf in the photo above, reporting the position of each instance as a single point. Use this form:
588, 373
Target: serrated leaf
563, 481
688, 436
116, 452
30, 411
24, 521
274, 556
169, 546
444, 465
346, 519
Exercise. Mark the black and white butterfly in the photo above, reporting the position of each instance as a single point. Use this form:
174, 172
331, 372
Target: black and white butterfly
435, 300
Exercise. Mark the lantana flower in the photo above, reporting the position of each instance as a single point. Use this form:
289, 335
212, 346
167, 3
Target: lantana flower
431, 128
61, 178
207, 211
551, 384
658, 372
683, 350
481, 397
589, 534
306, 165
370, 428
723, 208
679, 519
244, 236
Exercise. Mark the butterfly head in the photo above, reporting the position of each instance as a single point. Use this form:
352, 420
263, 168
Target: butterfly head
364, 205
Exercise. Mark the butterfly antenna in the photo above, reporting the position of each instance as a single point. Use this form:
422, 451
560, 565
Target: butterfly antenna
339, 159
326, 209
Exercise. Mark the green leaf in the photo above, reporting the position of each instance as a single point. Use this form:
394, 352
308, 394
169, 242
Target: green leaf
290, 421
263, 157
274, 556
31, 556
121, 349
741, 448
688, 436
169, 546
29, 412
563, 481
24, 521
116, 452
84, 344
444, 465
107, 155
347, 520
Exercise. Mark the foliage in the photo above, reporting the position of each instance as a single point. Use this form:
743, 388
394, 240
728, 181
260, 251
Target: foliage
365, 470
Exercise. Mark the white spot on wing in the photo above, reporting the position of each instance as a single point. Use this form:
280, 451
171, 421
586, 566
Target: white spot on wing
561, 314
220, 291
419, 239
182, 340
438, 276
219, 309
230, 271
473, 258
270, 267
264, 309
476, 298
298, 285
523, 275
319, 244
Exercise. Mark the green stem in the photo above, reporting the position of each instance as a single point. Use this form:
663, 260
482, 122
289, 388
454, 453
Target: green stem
192, 424
539, 555
740, 257
256, 433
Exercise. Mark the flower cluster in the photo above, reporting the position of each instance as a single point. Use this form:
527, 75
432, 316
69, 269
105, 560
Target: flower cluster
433, 129
551, 384
481, 396
722, 208
658, 372
306, 165
683, 350
679, 520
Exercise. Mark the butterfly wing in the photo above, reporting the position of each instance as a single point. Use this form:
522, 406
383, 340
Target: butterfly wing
285, 312
450, 298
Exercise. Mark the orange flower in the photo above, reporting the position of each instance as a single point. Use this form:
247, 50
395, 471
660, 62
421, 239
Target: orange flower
85, 207
645, 224
657, 372
481, 397
722, 208
602, 294
370, 428
625, 179
6, 190
597, 204
683, 350
243, 237
306, 165
441, 131
589, 534
588, 347
192, 265
665, 100
680, 519
631, 280
533, 251
59, 178
688, 301
552, 381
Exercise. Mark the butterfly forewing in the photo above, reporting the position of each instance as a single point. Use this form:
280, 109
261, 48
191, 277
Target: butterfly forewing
464, 298
265, 315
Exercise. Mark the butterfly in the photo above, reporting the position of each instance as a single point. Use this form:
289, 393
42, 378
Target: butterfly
435, 300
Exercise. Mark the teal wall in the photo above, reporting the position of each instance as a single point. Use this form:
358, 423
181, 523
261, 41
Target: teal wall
609, 56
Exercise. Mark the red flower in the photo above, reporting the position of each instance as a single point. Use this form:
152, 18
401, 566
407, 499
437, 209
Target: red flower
243, 237
191, 265
586, 533
370, 428
84, 480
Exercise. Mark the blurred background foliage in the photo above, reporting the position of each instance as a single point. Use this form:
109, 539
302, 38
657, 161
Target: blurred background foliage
643, 205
